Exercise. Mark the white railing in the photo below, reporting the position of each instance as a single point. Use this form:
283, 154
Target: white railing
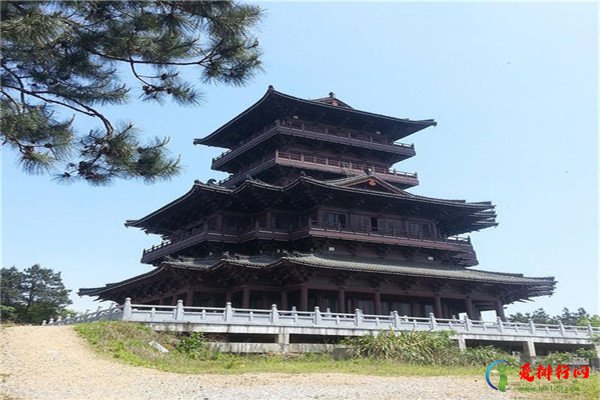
318, 319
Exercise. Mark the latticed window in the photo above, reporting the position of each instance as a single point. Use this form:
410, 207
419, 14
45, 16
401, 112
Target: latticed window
334, 220
418, 229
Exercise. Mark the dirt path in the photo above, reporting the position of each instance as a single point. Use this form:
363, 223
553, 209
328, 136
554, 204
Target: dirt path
54, 363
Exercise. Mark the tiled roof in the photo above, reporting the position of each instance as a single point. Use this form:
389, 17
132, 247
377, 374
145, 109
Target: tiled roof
332, 101
538, 285
367, 265
341, 184
412, 269
228, 134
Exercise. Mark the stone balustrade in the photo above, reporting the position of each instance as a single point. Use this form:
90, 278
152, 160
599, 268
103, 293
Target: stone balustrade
322, 319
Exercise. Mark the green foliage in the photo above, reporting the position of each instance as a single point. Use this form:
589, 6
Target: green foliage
194, 346
588, 354
32, 295
484, 355
421, 348
71, 56
539, 316
128, 342
593, 320
556, 358
7, 313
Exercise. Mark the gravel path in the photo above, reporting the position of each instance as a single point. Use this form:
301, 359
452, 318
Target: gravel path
54, 363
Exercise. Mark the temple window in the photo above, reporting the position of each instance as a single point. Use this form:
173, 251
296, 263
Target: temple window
263, 220
211, 224
419, 229
334, 220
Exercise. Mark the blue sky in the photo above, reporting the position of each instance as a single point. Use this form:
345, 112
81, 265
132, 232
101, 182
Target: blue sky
513, 87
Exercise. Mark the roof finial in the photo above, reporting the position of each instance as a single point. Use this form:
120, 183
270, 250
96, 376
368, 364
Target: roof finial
331, 95
271, 87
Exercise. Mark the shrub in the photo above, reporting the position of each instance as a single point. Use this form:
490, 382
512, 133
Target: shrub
557, 358
484, 355
422, 348
194, 346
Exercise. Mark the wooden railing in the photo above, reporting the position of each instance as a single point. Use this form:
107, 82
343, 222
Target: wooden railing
341, 163
236, 235
372, 231
315, 131
339, 166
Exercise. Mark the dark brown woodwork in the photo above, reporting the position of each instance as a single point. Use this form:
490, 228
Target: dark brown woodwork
322, 184
304, 297
437, 305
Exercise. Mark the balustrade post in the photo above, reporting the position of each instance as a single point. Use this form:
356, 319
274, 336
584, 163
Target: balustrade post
317, 317
561, 328
294, 313
178, 312
127, 310
396, 318
357, 317
531, 326
500, 324
152, 313
432, 321
467, 323
43, 322
228, 313
274, 313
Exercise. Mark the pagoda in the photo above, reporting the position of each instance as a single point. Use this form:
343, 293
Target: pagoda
313, 214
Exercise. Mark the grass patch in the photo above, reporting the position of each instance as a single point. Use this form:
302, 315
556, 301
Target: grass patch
574, 389
128, 342
422, 348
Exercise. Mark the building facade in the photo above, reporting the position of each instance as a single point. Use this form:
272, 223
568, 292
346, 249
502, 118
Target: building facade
313, 214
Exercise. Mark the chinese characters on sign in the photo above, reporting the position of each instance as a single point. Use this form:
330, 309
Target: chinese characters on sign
546, 372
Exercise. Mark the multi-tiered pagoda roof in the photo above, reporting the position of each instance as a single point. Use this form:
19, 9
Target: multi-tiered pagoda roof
314, 213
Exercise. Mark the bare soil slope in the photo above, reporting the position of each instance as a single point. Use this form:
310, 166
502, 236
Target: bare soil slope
54, 363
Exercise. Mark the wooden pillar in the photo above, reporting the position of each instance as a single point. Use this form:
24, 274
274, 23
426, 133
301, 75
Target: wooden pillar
415, 310
303, 297
469, 307
264, 299
377, 301
246, 297
437, 305
284, 300
500, 310
189, 298
341, 300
